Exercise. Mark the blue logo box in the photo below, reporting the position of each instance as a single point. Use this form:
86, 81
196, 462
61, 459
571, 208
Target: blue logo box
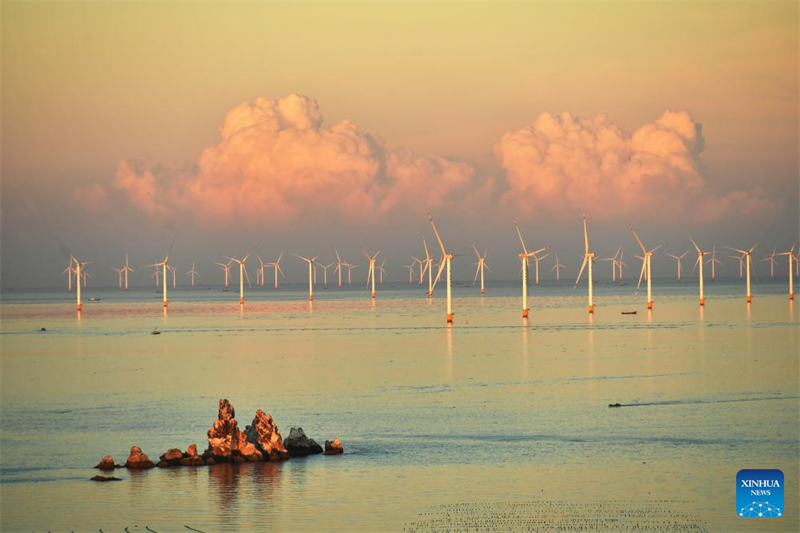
759, 493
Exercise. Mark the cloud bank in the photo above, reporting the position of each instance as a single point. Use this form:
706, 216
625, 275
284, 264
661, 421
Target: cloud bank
277, 163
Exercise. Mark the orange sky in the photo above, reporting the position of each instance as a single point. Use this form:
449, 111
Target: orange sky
443, 97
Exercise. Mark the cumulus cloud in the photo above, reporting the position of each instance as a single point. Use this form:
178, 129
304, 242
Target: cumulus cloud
567, 163
276, 162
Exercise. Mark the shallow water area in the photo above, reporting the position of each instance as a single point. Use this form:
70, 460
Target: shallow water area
491, 409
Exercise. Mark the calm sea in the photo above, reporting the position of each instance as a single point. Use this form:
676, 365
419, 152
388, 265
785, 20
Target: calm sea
438, 423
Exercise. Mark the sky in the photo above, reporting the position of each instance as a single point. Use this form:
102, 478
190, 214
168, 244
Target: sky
308, 124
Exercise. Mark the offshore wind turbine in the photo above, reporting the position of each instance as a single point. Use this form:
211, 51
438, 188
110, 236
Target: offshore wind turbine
226, 267
746, 256
791, 256
339, 265
588, 258
325, 269
382, 270
446, 259
260, 271
277, 266
714, 262
536, 259
310, 261
349, 272
410, 272
165, 265
646, 265
243, 272
613, 264
192, 273
69, 271
699, 263
679, 258
481, 264
771, 259
371, 272
524, 258
157, 274
78, 269
123, 273
119, 276
421, 267
557, 267
429, 267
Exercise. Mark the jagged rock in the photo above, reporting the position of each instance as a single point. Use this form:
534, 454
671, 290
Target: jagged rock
298, 445
105, 478
264, 435
106, 463
138, 459
225, 441
191, 451
333, 447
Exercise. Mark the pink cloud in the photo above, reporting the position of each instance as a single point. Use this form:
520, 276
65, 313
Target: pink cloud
567, 163
92, 198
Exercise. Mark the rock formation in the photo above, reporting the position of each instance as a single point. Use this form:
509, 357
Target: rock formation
138, 459
333, 447
298, 445
106, 463
225, 442
264, 435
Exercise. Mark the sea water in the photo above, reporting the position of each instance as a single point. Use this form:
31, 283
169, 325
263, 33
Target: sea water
492, 411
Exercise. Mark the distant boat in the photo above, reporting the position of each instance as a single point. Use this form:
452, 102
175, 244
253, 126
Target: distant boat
155, 332
626, 312
94, 299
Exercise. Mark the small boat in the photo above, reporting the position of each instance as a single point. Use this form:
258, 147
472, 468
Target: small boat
626, 312
155, 332
615, 405
94, 299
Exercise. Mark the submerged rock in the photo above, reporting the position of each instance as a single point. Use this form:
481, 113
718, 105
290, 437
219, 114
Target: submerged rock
105, 478
264, 435
138, 459
106, 463
225, 441
333, 447
299, 445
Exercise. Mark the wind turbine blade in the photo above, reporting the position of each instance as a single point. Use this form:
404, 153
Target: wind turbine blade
583, 265
476, 251
436, 232
247, 276
477, 271
644, 250
641, 275
735, 249
519, 234
585, 235
486, 266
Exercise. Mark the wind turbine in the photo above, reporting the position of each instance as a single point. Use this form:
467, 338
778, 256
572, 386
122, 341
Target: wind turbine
325, 268
123, 272
371, 273
260, 271
421, 267
678, 258
410, 272
536, 259
192, 273
748, 255
791, 256
714, 262
119, 276
310, 262
557, 267
69, 271
446, 259
481, 264
78, 266
646, 265
621, 262
157, 275
741, 264
588, 258
771, 259
339, 264
613, 264
524, 258
382, 270
277, 266
429, 267
243, 272
349, 272
164, 264
699, 263
226, 267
